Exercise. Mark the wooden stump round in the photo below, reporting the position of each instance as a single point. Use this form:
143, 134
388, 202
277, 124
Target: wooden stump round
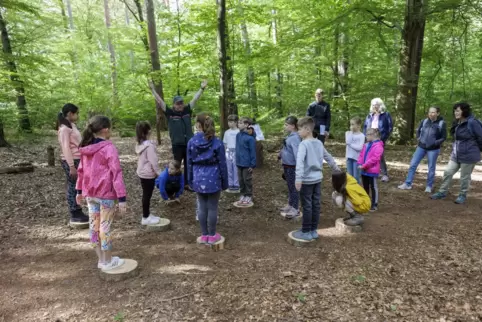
341, 227
164, 224
299, 242
232, 191
237, 205
219, 245
79, 225
127, 270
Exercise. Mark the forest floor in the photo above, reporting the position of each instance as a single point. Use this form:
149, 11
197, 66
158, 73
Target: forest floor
416, 260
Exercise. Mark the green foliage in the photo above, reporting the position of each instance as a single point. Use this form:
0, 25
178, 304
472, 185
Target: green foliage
59, 65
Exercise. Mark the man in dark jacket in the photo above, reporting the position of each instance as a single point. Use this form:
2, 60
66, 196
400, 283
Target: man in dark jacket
431, 133
179, 124
319, 110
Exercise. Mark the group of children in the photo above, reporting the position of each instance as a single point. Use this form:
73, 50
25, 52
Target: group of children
214, 166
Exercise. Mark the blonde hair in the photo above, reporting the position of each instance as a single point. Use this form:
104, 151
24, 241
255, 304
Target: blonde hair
375, 132
378, 101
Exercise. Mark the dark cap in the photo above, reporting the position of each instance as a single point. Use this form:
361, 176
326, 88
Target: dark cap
177, 99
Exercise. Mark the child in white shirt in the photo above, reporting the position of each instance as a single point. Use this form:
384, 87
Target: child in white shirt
354, 144
230, 146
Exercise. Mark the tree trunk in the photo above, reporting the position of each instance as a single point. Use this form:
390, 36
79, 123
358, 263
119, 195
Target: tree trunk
318, 57
156, 65
115, 96
128, 22
17, 83
69, 28
141, 24
250, 76
3, 142
410, 63
179, 34
227, 104
340, 69
278, 75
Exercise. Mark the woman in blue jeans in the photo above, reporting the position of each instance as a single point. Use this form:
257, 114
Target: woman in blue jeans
431, 133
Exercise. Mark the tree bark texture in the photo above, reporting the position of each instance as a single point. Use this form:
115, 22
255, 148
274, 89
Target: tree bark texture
278, 75
115, 96
409, 72
17, 83
3, 141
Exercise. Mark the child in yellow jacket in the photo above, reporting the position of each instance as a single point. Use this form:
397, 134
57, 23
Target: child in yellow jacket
350, 195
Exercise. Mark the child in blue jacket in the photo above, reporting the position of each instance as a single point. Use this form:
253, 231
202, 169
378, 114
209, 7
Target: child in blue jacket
245, 160
171, 182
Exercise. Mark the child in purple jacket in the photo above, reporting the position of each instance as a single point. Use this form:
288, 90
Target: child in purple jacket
369, 163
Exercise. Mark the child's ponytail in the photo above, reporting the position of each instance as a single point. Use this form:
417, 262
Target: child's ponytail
87, 136
207, 125
96, 124
62, 116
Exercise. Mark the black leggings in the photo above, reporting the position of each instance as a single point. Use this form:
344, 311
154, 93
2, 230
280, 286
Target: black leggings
180, 154
147, 189
371, 187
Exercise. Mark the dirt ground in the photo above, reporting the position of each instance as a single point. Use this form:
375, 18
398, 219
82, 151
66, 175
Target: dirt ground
417, 259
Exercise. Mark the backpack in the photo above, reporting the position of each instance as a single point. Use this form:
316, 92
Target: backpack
470, 128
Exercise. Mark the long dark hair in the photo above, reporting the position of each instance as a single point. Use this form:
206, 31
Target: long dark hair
292, 120
96, 124
142, 131
62, 116
207, 125
338, 179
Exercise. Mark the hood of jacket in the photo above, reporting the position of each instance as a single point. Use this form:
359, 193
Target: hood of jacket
94, 148
202, 149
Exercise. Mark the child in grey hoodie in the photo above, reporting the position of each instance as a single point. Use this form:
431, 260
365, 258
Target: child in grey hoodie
309, 166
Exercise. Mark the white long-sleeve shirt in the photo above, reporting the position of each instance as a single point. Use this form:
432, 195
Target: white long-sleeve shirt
354, 144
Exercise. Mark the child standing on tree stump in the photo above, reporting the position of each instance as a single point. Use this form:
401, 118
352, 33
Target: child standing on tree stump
230, 146
245, 160
288, 159
207, 175
171, 182
100, 181
309, 167
369, 163
351, 196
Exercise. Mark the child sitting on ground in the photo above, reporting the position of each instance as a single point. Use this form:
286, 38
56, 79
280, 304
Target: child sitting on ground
171, 182
354, 144
309, 167
369, 163
350, 195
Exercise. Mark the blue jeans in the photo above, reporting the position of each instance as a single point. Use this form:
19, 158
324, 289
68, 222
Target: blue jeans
207, 204
418, 156
311, 202
352, 169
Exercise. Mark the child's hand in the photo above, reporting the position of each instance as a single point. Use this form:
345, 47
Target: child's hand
79, 199
73, 173
361, 167
122, 207
298, 186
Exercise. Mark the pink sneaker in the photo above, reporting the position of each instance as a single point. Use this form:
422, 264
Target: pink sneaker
214, 239
204, 239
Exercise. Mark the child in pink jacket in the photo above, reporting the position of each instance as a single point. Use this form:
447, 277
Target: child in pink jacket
369, 163
100, 182
147, 170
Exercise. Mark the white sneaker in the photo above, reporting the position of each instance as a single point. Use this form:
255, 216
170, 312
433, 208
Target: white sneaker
241, 199
285, 208
428, 189
405, 186
151, 220
114, 263
291, 213
100, 265
385, 179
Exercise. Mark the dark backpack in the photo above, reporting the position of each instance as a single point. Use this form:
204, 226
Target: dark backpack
470, 127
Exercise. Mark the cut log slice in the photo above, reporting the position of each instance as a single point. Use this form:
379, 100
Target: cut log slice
127, 270
163, 225
79, 225
299, 242
232, 191
219, 245
341, 227
238, 205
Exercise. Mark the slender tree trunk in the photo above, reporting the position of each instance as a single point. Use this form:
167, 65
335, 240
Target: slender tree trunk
115, 96
318, 57
3, 142
128, 23
156, 65
410, 63
17, 83
69, 28
278, 75
340, 68
250, 75
179, 34
141, 24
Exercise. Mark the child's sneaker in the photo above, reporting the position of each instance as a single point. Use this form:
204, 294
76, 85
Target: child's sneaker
314, 234
203, 239
460, 199
151, 220
114, 263
385, 179
291, 213
373, 208
100, 265
303, 236
438, 195
285, 208
428, 189
247, 200
405, 186
214, 239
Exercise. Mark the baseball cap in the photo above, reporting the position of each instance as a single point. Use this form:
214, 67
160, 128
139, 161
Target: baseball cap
177, 99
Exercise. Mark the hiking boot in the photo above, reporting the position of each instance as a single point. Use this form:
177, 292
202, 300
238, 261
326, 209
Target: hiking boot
314, 234
404, 186
114, 263
428, 189
460, 199
357, 220
214, 239
385, 178
303, 236
151, 220
438, 195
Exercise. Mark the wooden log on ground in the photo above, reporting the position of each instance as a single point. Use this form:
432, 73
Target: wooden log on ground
21, 169
163, 225
299, 242
127, 270
340, 226
78, 225
51, 156
237, 205
219, 245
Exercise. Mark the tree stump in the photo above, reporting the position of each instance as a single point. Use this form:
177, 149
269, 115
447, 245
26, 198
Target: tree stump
232, 191
237, 205
127, 270
163, 225
78, 225
299, 242
51, 156
259, 154
341, 227
219, 245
